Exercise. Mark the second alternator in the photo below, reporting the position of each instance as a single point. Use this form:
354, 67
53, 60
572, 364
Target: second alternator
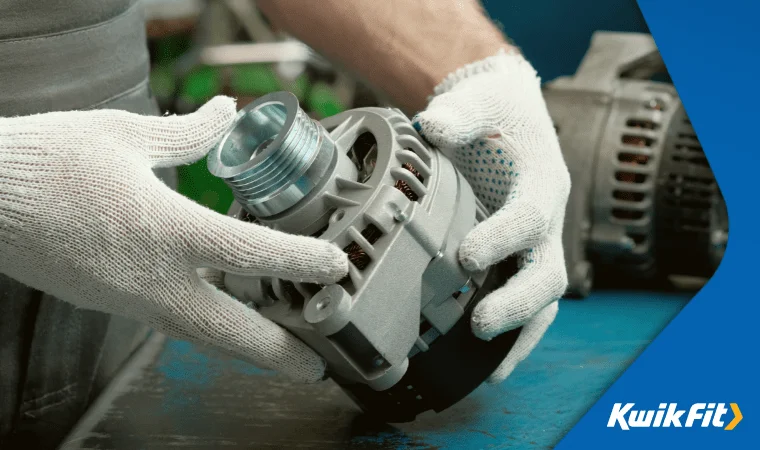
644, 203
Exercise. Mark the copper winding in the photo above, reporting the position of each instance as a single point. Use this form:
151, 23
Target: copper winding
630, 177
638, 141
627, 196
406, 190
645, 124
631, 158
402, 185
356, 253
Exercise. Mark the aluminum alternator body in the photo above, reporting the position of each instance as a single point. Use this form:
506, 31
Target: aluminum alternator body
644, 203
365, 181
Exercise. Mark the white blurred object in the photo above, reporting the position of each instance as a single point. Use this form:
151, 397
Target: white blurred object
267, 52
171, 9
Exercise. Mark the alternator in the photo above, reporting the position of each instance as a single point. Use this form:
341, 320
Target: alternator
396, 331
644, 202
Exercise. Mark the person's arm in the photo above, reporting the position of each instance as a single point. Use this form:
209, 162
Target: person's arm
403, 47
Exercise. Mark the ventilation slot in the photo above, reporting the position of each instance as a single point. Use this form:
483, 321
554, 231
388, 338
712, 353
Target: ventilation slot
641, 123
628, 196
686, 192
409, 139
291, 293
696, 224
271, 297
363, 153
404, 187
692, 224
320, 231
424, 326
637, 141
356, 254
689, 198
695, 180
627, 214
638, 238
689, 203
633, 158
696, 160
630, 177
690, 148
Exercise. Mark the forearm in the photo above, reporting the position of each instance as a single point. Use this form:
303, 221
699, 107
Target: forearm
403, 47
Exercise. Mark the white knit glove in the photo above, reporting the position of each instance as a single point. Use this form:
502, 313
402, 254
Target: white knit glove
490, 119
82, 217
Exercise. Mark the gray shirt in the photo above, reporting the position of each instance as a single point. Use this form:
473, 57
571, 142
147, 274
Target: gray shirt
54, 359
72, 54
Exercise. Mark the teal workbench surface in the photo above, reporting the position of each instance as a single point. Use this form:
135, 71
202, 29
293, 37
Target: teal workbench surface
176, 394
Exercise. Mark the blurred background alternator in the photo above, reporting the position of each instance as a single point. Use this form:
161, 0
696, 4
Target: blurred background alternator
644, 207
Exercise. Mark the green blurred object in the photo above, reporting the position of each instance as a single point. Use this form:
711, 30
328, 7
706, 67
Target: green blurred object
323, 101
201, 85
254, 80
167, 49
162, 81
299, 86
197, 183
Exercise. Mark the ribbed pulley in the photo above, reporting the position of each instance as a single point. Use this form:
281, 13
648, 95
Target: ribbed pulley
273, 155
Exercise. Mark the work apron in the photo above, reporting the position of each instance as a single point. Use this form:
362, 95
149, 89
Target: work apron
58, 55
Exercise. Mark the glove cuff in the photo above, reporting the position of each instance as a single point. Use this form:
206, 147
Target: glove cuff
506, 61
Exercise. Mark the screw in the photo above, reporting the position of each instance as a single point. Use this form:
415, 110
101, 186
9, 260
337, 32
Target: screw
324, 303
656, 104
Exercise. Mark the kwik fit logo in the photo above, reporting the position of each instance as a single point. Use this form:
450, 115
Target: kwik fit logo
668, 415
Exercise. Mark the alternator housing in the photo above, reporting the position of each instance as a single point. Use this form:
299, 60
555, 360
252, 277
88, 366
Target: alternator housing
644, 203
399, 210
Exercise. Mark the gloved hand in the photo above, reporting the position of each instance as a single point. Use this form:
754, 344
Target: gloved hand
491, 120
82, 217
